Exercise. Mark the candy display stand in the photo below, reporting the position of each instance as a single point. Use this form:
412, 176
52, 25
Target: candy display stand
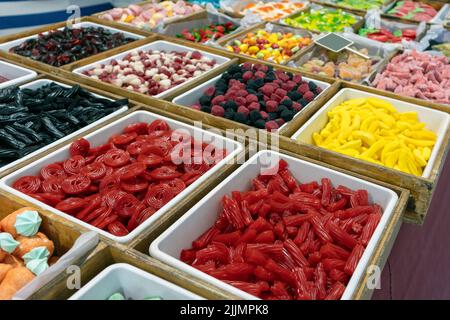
404, 197
421, 189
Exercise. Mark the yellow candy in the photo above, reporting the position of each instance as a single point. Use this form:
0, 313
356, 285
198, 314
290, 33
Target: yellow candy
371, 129
275, 46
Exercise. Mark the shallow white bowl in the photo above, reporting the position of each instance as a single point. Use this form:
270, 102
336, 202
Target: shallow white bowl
15, 74
40, 83
436, 121
132, 282
201, 217
160, 46
101, 136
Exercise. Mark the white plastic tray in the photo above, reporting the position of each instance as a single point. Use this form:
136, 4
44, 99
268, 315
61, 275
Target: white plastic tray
157, 45
101, 136
192, 96
8, 45
198, 219
133, 283
436, 121
14, 74
40, 83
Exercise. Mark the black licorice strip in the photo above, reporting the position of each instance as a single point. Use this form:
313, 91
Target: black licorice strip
8, 153
9, 140
15, 133
28, 131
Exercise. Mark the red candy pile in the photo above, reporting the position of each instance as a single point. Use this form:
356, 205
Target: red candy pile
118, 185
285, 240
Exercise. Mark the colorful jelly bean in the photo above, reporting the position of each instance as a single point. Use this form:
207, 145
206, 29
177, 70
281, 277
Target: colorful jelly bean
270, 46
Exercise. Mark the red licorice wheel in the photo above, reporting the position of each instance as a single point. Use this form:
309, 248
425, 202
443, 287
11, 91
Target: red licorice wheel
28, 184
136, 148
198, 168
104, 222
53, 170
117, 228
134, 185
100, 212
139, 217
101, 218
110, 198
124, 139
133, 170
52, 185
161, 148
116, 158
71, 205
79, 147
108, 183
150, 160
126, 205
75, 184
158, 195
139, 127
51, 199
74, 164
94, 202
165, 173
94, 171
177, 185
158, 125
100, 149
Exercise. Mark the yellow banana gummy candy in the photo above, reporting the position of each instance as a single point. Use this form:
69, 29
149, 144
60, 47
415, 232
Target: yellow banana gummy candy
372, 129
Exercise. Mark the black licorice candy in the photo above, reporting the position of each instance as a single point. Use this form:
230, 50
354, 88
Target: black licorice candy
33, 118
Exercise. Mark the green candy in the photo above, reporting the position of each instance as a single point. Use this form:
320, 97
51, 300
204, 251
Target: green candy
360, 4
153, 298
116, 296
322, 20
